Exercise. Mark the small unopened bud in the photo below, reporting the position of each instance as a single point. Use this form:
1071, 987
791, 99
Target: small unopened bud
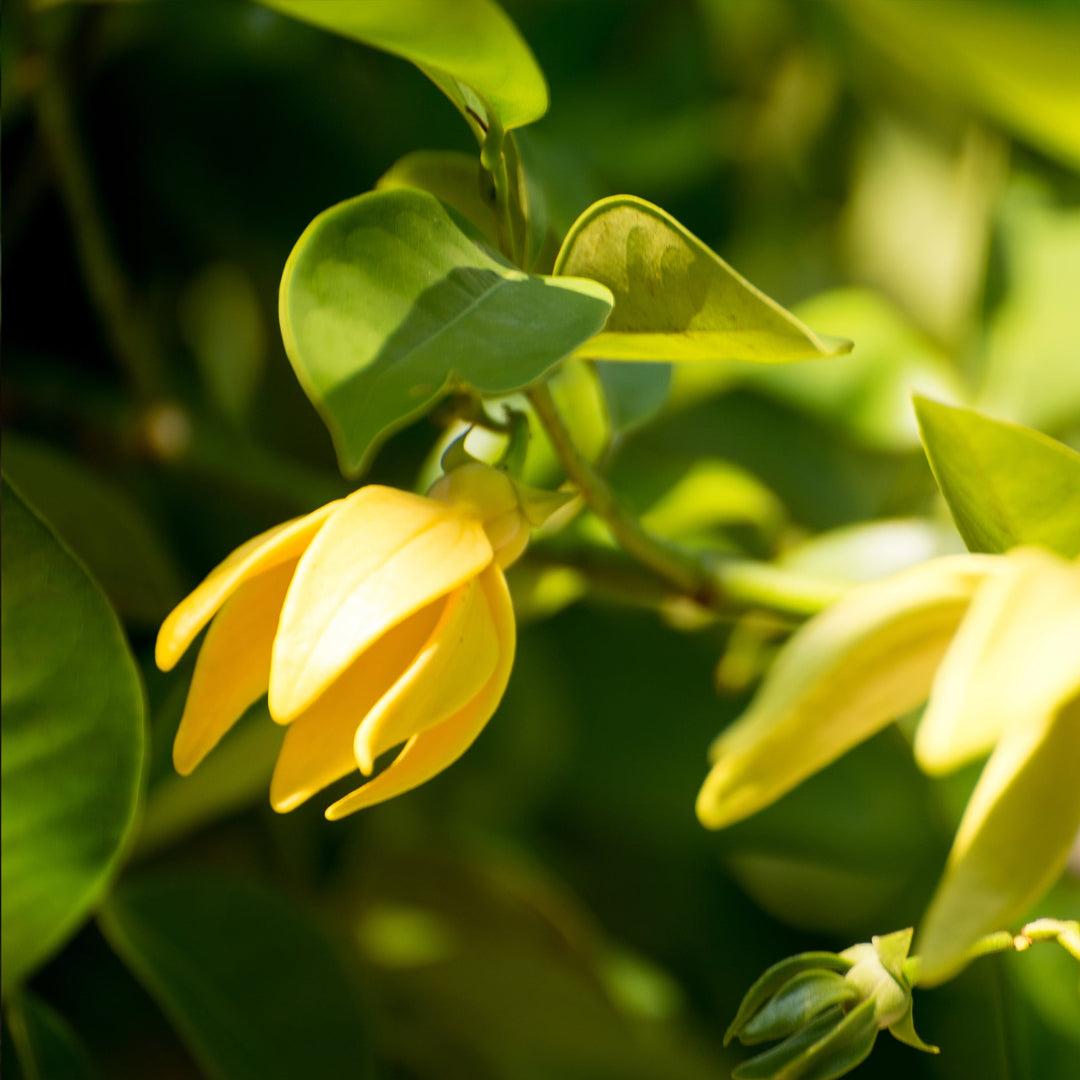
508, 508
828, 1009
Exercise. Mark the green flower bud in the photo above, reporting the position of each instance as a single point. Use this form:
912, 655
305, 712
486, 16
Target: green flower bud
827, 1008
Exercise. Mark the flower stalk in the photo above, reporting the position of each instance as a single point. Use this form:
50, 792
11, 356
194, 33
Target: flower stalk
717, 584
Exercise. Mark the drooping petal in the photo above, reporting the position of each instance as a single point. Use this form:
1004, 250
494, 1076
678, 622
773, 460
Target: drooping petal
1013, 840
318, 746
282, 543
1017, 652
428, 753
384, 555
509, 536
233, 668
850, 671
453, 667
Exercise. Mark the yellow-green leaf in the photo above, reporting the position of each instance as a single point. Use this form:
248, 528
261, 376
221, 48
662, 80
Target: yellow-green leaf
675, 299
387, 302
72, 736
469, 48
453, 178
1005, 485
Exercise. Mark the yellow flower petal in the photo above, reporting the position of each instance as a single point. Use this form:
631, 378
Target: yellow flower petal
453, 667
382, 556
318, 746
509, 536
850, 671
1013, 840
433, 750
271, 548
1015, 654
233, 667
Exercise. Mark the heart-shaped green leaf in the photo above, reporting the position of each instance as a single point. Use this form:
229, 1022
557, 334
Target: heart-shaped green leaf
252, 987
388, 300
470, 49
451, 176
1005, 485
72, 740
675, 299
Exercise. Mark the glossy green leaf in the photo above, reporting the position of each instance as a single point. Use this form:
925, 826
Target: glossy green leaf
460, 181
387, 302
253, 988
675, 299
45, 1045
1014, 62
862, 663
72, 740
1005, 485
452, 177
796, 1003
102, 525
775, 978
470, 49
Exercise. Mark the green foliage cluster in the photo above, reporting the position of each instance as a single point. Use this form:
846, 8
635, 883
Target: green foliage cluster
183, 181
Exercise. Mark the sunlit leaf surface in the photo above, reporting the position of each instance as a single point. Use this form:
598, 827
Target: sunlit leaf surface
1006, 485
386, 303
675, 299
469, 49
72, 740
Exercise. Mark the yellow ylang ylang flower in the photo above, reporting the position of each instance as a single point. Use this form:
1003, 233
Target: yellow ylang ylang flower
993, 641
380, 619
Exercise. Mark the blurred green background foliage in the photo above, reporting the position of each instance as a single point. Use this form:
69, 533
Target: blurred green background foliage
904, 174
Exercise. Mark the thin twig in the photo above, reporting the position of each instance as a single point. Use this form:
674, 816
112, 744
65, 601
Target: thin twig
717, 584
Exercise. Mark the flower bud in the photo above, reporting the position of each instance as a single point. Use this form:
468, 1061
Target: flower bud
507, 508
827, 1008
